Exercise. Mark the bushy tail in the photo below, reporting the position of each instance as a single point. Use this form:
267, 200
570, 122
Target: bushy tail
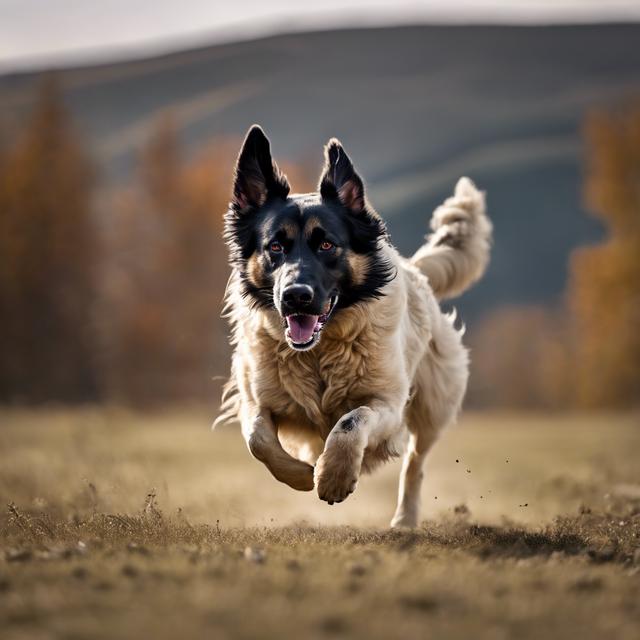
456, 254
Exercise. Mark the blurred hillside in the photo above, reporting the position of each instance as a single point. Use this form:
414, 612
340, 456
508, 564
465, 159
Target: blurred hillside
113, 181
415, 106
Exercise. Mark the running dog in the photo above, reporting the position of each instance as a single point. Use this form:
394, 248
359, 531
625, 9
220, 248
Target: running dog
342, 355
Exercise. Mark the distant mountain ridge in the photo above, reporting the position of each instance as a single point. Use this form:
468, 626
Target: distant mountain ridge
415, 107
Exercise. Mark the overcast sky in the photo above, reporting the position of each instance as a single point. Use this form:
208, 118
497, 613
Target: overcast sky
53, 32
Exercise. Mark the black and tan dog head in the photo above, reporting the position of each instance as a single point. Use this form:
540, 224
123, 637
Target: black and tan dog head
309, 255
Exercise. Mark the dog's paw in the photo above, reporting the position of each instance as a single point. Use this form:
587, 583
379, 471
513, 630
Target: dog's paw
333, 486
404, 520
336, 474
301, 478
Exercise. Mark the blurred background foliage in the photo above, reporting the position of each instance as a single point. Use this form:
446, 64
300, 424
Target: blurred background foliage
111, 291
584, 352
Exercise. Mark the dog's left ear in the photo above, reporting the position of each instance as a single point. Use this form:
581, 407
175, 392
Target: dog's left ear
257, 176
339, 179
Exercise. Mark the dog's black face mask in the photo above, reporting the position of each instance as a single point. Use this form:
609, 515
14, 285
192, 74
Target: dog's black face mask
306, 256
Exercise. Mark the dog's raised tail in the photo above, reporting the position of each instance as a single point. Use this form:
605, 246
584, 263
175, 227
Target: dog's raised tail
456, 254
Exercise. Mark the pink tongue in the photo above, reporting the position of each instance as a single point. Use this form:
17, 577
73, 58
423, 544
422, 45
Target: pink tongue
301, 328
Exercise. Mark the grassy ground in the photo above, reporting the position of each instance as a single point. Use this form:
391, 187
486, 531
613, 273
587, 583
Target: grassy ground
121, 525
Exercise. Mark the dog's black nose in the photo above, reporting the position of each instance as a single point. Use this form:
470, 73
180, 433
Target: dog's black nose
297, 295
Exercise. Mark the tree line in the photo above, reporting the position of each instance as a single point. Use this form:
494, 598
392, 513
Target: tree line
586, 351
116, 296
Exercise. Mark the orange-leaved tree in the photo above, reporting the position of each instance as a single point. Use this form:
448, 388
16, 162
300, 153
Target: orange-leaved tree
165, 275
604, 286
47, 255
519, 358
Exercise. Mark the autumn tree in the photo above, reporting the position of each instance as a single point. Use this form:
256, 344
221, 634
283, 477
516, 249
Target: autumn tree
47, 253
585, 353
166, 275
519, 359
604, 287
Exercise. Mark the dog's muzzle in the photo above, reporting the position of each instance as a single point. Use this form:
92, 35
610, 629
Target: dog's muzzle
302, 330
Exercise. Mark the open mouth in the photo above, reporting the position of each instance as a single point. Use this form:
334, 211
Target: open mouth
302, 331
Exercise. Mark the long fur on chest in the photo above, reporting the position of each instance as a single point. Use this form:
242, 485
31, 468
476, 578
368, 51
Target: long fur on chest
321, 385
351, 364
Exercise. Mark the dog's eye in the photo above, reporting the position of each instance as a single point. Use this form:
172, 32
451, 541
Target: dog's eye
326, 245
276, 247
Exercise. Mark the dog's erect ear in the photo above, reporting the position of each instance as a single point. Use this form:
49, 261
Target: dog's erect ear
257, 176
339, 178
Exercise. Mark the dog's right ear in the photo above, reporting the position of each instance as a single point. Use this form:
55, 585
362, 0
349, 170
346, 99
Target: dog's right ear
339, 179
257, 176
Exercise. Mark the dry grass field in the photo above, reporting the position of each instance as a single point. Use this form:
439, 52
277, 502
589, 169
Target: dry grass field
122, 525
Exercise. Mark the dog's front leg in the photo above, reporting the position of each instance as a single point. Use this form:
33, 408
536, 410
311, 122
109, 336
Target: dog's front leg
338, 468
261, 437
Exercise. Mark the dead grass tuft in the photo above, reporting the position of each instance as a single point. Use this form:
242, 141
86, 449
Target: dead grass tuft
602, 537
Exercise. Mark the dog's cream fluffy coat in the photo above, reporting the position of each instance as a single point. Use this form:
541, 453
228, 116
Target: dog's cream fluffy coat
388, 373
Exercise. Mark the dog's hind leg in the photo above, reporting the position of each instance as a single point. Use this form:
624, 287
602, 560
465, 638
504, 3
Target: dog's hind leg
261, 437
406, 514
440, 384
